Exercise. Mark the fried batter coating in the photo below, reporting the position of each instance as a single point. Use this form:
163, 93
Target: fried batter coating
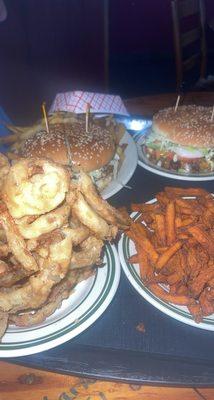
11, 273
34, 187
87, 216
52, 230
38, 287
4, 168
89, 254
102, 207
16, 242
59, 293
79, 234
4, 250
45, 223
3, 323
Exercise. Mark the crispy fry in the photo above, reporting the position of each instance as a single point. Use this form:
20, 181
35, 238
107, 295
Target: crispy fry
181, 300
146, 271
196, 311
164, 258
148, 218
207, 304
180, 192
199, 282
144, 207
148, 247
139, 229
182, 289
170, 223
174, 278
160, 229
134, 259
181, 232
193, 267
161, 250
202, 237
182, 236
8, 139
180, 223
184, 203
162, 199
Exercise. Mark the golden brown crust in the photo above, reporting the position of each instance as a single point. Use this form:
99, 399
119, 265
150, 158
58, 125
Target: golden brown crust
189, 126
68, 144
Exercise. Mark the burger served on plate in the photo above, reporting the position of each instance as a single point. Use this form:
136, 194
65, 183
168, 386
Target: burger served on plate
182, 141
96, 152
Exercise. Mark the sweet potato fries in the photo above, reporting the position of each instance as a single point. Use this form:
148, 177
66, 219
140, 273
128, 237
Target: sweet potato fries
174, 240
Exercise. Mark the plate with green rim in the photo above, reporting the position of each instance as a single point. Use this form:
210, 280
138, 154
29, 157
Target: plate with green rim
126, 249
85, 305
144, 162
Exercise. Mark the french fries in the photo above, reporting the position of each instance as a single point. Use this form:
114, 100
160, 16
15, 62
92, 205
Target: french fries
175, 247
170, 222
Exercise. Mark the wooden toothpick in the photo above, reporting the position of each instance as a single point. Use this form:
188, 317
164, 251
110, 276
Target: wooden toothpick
45, 117
87, 114
177, 103
212, 116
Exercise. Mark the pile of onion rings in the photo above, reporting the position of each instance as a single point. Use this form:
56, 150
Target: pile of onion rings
52, 232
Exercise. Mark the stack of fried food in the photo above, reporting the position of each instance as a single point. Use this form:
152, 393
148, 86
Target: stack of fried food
174, 239
52, 232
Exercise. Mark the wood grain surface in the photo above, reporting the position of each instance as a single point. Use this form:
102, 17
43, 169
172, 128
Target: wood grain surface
20, 383
148, 105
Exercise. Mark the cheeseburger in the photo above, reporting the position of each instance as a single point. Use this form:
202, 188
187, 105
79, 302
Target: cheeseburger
96, 152
182, 141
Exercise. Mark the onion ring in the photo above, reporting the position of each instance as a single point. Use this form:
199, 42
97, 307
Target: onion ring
87, 216
34, 187
36, 290
11, 273
44, 224
3, 323
4, 250
79, 234
94, 200
89, 254
16, 242
4, 167
102, 207
59, 293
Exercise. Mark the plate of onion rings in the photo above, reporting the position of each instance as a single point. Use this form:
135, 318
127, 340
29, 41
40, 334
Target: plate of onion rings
58, 267
85, 305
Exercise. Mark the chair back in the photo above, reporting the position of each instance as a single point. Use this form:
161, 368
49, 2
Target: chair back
188, 18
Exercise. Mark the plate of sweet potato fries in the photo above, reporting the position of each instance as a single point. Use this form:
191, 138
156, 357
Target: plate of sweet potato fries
168, 254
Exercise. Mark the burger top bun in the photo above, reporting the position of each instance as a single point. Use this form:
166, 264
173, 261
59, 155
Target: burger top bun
188, 126
70, 145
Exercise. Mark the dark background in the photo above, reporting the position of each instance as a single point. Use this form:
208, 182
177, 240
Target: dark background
47, 46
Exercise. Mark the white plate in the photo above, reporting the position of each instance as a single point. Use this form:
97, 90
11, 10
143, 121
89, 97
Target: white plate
144, 162
127, 169
88, 301
126, 249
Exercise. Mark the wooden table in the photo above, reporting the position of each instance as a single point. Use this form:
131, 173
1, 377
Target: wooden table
148, 105
19, 383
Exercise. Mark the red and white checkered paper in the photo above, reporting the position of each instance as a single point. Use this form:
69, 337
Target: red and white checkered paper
77, 101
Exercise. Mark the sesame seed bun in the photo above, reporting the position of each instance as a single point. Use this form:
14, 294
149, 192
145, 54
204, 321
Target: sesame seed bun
188, 126
69, 144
